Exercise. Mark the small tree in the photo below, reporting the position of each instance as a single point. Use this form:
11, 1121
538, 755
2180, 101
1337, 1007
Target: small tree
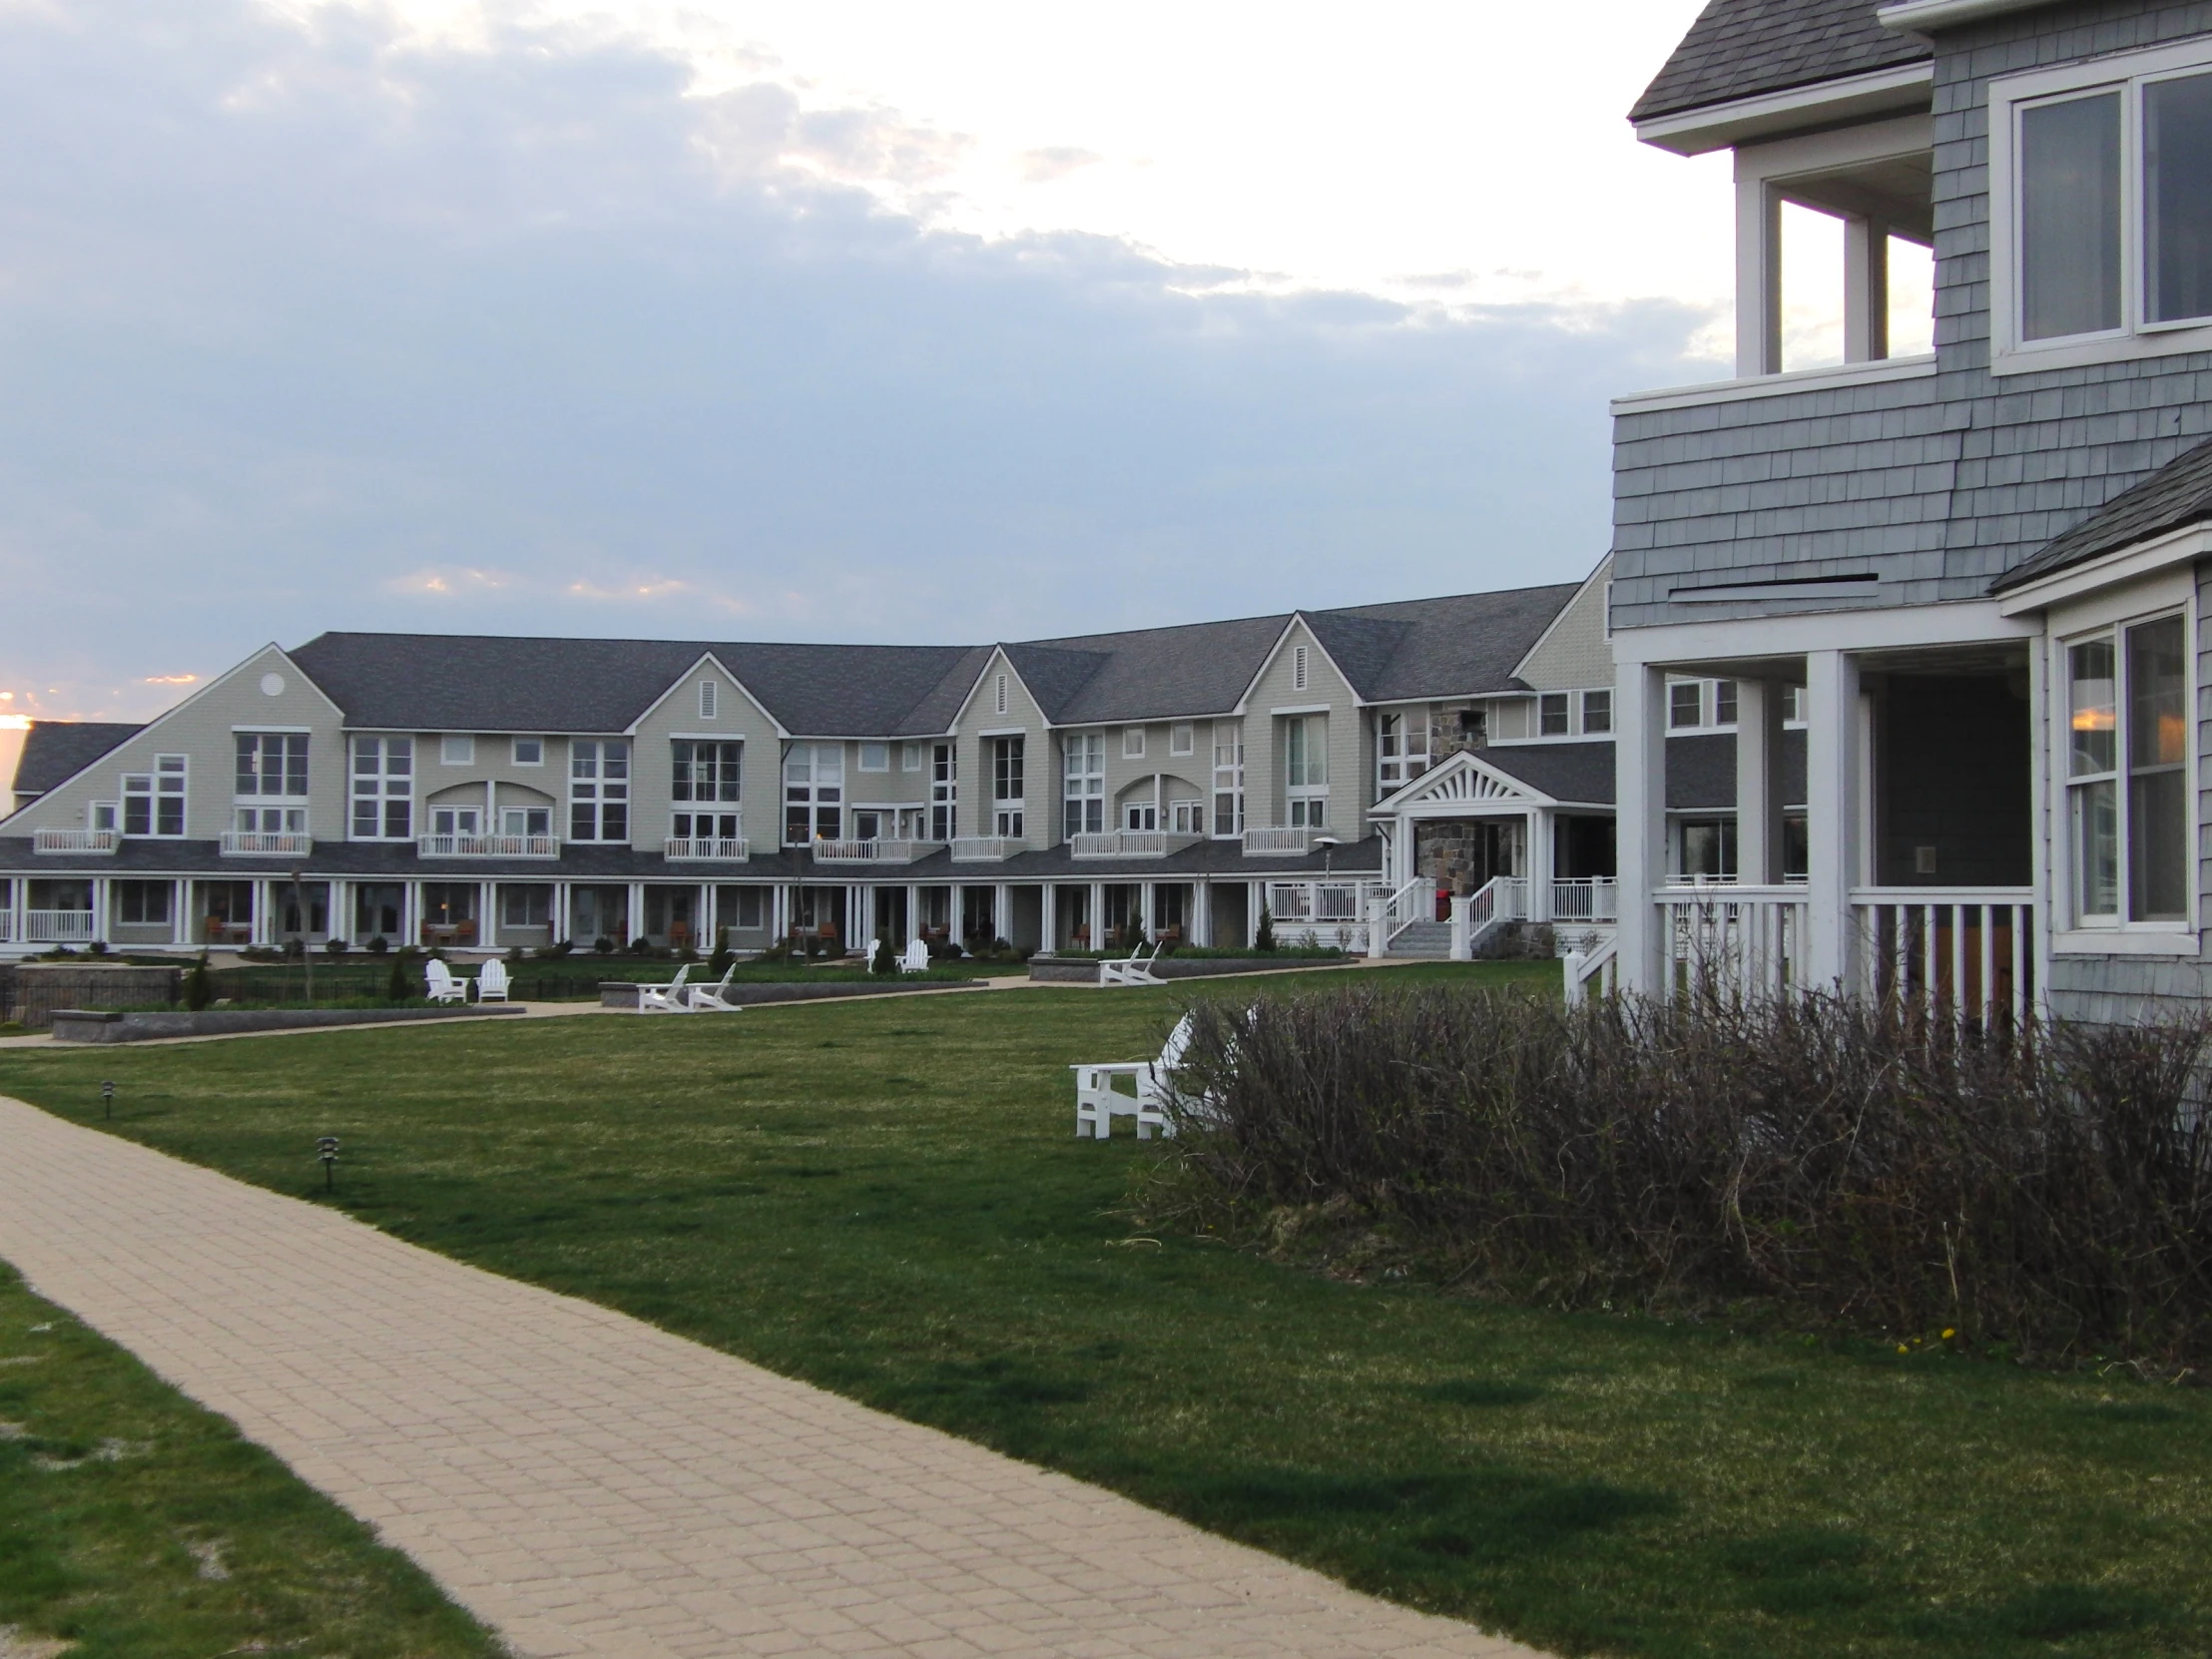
198, 987
1263, 940
882, 961
719, 963
396, 989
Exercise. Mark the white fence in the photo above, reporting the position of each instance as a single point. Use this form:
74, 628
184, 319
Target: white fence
726, 847
488, 847
76, 840
977, 850
266, 843
1587, 898
1962, 953
1127, 843
1744, 939
878, 852
59, 927
1279, 840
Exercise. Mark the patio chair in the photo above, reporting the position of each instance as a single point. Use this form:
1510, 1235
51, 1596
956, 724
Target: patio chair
491, 981
714, 999
915, 957
440, 983
671, 998
1132, 970
1098, 1101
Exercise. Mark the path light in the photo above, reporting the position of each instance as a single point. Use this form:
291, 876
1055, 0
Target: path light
107, 1100
327, 1150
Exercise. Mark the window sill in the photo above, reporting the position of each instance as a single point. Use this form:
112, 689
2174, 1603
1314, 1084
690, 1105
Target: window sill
2125, 942
2167, 340
1915, 367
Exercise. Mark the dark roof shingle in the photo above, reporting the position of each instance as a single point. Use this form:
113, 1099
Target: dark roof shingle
1740, 48
2176, 495
55, 751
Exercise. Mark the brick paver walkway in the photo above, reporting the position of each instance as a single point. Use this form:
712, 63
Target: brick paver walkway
592, 1486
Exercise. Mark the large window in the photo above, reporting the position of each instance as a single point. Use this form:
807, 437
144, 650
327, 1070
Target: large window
272, 768
2127, 772
1597, 711
383, 789
154, 801
2105, 201
598, 790
1551, 715
814, 793
704, 771
1229, 781
945, 791
1305, 770
1006, 786
1085, 787
1401, 748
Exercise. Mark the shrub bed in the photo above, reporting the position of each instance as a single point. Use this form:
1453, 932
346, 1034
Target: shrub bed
2047, 1193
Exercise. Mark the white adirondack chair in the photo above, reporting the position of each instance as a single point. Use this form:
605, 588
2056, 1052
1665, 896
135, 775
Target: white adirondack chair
915, 958
440, 984
1132, 970
1098, 1101
491, 981
671, 998
714, 999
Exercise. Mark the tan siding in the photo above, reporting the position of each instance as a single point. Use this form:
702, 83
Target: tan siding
652, 768
1276, 689
1575, 653
1040, 756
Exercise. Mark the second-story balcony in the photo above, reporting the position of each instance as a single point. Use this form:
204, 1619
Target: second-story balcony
1279, 841
880, 852
1127, 843
725, 849
100, 841
266, 843
488, 847
977, 850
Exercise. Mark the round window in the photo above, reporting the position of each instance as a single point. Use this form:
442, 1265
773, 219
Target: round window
273, 684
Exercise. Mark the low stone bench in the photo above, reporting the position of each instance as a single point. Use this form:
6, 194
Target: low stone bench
114, 1025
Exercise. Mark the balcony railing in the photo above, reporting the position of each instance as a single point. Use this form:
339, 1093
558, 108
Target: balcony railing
1591, 899
726, 848
1283, 839
872, 852
266, 843
59, 927
103, 842
488, 847
1734, 938
1956, 951
977, 850
1127, 843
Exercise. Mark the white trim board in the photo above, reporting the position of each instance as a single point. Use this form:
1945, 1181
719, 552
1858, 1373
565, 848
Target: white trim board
1851, 98
2127, 564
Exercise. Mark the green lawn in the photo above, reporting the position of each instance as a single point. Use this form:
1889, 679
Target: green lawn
141, 1527
888, 1199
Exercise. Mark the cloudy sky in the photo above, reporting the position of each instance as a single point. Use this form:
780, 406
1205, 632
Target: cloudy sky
843, 319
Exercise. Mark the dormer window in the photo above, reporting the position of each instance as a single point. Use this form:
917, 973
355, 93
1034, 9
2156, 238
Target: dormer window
2101, 208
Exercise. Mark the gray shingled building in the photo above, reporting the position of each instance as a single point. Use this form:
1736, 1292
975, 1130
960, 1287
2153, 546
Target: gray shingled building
1977, 570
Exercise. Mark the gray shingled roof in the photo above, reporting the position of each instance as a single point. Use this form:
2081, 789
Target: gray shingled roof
1200, 669
55, 751
1740, 48
2176, 495
1448, 646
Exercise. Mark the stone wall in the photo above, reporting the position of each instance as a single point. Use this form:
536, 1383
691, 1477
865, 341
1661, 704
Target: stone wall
41, 987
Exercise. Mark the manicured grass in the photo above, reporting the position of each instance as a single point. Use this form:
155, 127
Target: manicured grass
140, 1527
888, 1199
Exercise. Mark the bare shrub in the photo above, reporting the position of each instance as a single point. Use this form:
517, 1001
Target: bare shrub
1842, 1165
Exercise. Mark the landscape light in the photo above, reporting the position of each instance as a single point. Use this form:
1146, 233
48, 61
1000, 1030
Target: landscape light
327, 1148
107, 1100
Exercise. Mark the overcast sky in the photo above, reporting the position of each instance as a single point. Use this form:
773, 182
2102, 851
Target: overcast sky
841, 320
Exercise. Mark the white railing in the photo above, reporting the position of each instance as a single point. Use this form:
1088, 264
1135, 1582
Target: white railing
705, 846
1126, 844
1415, 901
488, 847
59, 927
1585, 898
1502, 898
878, 852
7, 924
1964, 953
1279, 840
986, 849
1732, 938
1596, 972
266, 842
76, 840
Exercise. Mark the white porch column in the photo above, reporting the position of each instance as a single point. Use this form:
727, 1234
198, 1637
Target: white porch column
1831, 812
1640, 770
1098, 915
1048, 921
1462, 930
913, 914
634, 925
1759, 783
1866, 291
103, 917
1758, 278
1378, 926
1202, 913
486, 923
179, 908
1002, 912
1539, 865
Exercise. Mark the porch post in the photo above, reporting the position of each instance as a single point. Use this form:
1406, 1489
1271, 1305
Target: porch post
1539, 864
913, 914
1097, 916
1002, 912
1202, 913
180, 909
1048, 920
1640, 771
1759, 783
1831, 812
634, 923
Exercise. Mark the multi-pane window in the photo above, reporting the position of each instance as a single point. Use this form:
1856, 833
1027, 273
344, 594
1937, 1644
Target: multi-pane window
2127, 770
1084, 786
1229, 781
383, 789
1551, 715
705, 826
2111, 201
1305, 770
705, 771
1007, 799
1724, 702
814, 793
1140, 814
598, 790
1597, 711
1686, 704
144, 903
944, 791
154, 801
1186, 818
1401, 748
271, 767
529, 752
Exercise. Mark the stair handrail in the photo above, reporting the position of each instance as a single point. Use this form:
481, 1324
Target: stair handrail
1398, 911
1601, 965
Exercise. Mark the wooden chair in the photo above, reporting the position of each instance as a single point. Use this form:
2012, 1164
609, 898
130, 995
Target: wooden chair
491, 981
714, 999
915, 958
1098, 1101
671, 998
441, 984
1132, 970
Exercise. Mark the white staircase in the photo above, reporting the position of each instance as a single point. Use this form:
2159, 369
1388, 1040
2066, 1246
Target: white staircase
1429, 942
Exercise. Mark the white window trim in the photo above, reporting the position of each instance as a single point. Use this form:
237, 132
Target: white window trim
861, 760
514, 752
1182, 739
1131, 743
2135, 338
2170, 591
445, 754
